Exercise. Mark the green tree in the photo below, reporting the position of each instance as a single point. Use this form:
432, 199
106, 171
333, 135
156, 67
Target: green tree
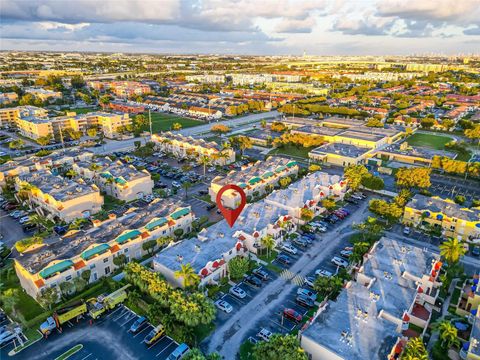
139, 121
415, 350
71, 173
44, 140
188, 275
268, 242
328, 204
413, 177
279, 347
354, 175
178, 233
48, 297
447, 333
237, 267
306, 214
16, 144
92, 132
121, 259
370, 229
427, 123
67, 288
328, 286
164, 240
149, 245
285, 181
177, 126
373, 182
204, 160
473, 133
314, 167
86, 275
79, 283
452, 250
186, 185
105, 100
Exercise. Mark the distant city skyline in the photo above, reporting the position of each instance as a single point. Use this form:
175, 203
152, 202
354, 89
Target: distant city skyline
267, 27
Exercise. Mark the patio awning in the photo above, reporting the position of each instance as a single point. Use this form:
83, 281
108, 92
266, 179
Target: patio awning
57, 268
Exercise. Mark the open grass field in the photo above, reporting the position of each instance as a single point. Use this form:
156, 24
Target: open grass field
432, 141
291, 150
85, 110
164, 122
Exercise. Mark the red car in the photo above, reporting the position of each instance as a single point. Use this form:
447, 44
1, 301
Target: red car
292, 314
339, 214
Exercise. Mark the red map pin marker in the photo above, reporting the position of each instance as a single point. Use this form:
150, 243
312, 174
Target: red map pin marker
231, 215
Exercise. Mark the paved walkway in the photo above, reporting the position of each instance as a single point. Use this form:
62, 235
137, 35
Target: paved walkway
227, 338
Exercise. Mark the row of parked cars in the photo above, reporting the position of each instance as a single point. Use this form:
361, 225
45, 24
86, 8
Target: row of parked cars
22, 216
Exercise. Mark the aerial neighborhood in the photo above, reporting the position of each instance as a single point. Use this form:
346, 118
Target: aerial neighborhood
357, 183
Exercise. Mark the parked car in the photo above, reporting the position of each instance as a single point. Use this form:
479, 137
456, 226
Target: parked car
284, 259
308, 293
292, 315
179, 353
210, 206
351, 201
237, 292
139, 324
176, 184
308, 240
339, 261
290, 249
252, 340
300, 242
264, 334
324, 273
310, 236
261, 274
224, 306
308, 281
304, 301
253, 280
406, 230
9, 335
346, 253
476, 251
154, 335
60, 230
24, 219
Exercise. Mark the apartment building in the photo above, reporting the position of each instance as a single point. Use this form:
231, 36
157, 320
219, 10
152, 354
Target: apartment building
43, 94
64, 258
108, 123
9, 116
8, 98
396, 287
308, 193
206, 78
182, 147
117, 179
122, 89
56, 197
254, 178
14, 168
210, 252
34, 128
124, 107
444, 214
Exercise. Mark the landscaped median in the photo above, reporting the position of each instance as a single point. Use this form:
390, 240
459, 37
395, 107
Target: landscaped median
70, 352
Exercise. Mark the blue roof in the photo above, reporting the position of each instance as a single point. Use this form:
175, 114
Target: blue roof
97, 250
179, 213
127, 236
156, 223
57, 268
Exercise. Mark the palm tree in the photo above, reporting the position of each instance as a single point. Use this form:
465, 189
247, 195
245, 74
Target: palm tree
204, 160
415, 350
447, 333
71, 173
186, 185
268, 242
25, 191
452, 250
328, 285
188, 274
110, 181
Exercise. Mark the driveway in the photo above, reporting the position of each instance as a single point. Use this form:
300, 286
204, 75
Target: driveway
10, 229
228, 338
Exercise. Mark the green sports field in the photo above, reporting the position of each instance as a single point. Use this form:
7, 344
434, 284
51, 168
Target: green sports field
426, 140
164, 122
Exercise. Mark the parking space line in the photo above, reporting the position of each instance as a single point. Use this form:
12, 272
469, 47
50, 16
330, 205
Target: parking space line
86, 356
146, 327
129, 319
113, 312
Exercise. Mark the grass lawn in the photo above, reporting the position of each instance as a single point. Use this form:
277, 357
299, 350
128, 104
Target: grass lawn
164, 122
427, 140
84, 110
292, 150
70, 352
269, 259
246, 351
455, 296
110, 203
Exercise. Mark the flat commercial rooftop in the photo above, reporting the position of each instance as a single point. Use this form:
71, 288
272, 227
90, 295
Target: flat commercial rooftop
346, 150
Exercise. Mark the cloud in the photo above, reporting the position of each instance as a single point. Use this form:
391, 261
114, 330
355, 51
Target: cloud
295, 26
472, 31
368, 25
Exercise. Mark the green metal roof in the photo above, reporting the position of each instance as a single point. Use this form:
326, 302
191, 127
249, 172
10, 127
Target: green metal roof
254, 180
280, 169
179, 213
291, 163
97, 250
58, 267
242, 185
120, 181
267, 174
127, 236
106, 175
155, 223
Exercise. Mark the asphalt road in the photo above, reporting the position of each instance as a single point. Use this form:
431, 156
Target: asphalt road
10, 229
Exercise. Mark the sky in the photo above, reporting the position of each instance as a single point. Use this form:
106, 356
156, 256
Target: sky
251, 27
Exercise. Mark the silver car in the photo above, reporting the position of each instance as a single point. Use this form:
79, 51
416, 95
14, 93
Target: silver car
237, 292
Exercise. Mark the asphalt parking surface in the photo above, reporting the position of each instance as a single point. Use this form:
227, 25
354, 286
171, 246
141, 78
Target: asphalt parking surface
7, 347
107, 338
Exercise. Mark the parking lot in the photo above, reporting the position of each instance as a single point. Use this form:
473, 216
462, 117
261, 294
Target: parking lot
7, 325
106, 338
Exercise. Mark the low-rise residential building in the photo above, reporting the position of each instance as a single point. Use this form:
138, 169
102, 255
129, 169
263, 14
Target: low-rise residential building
125, 107
206, 78
182, 147
444, 215
202, 112
43, 94
117, 179
59, 198
9, 116
8, 98
471, 349
396, 287
469, 307
255, 179
340, 154
65, 258
34, 128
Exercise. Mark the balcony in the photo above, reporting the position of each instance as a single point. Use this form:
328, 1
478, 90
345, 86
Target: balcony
420, 312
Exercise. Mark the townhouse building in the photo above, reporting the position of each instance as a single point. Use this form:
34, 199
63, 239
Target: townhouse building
255, 179
124, 107
469, 308
43, 94
56, 197
65, 258
373, 317
186, 146
9, 116
443, 214
116, 179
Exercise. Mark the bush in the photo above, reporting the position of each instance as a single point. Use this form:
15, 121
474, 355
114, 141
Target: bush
24, 244
460, 199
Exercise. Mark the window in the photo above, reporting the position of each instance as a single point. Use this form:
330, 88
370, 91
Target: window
230, 252
95, 277
107, 270
92, 266
68, 278
105, 260
126, 250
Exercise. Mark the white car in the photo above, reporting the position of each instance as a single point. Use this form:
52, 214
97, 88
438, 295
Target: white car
324, 273
290, 249
237, 292
339, 262
176, 184
346, 253
309, 281
406, 230
24, 219
224, 306
264, 334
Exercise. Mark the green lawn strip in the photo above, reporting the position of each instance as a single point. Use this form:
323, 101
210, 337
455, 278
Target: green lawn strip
110, 202
274, 268
70, 352
164, 122
455, 296
84, 110
292, 150
33, 335
432, 141
270, 258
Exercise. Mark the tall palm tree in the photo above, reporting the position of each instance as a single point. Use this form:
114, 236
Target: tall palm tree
71, 173
186, 185
110, 181
204, 160
415, 350
188, 274
447, 333
452, 250
268, 242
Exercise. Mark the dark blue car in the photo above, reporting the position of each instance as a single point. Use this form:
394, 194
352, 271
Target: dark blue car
138, 324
